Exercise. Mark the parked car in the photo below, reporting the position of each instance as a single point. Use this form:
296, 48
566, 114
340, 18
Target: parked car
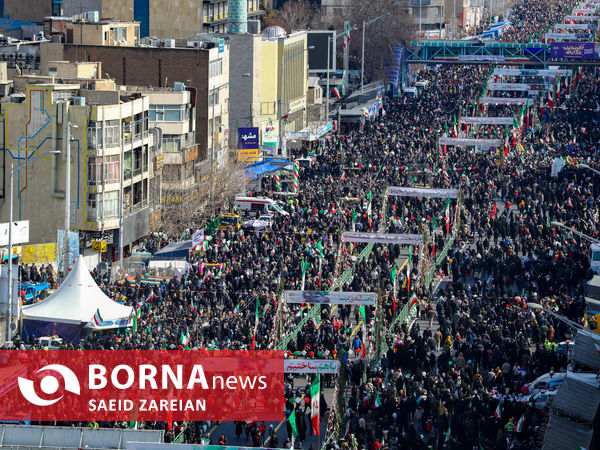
50, 342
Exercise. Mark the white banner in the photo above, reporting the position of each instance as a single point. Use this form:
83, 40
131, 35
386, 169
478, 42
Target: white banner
382, 238
534, 72
468, 142
564, 36
331, 298
488, 120
575, 26
20, 232
584, 11
583, 18
197, 238
503, 100
311, 366
422, 192
520, 87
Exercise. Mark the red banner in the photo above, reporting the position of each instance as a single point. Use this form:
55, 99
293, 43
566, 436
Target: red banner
114, 385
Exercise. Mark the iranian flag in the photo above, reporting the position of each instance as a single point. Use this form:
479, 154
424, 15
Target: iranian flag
336, 93
377, 401
347, 35
447, 216
448, 435
315, 394
97, 317
412, 300
315, 321
185, 338
520, 424
498, 412
343, 177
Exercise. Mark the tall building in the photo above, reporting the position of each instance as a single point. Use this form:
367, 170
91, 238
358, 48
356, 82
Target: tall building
287, 52
111, 143
205, 68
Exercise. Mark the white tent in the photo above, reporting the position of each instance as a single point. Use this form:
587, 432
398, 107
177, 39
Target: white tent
76, 301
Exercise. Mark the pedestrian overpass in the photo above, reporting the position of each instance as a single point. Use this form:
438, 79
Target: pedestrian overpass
477, 51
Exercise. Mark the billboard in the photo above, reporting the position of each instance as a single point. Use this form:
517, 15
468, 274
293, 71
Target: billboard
317, 57
573, 50
331, 298
247, 138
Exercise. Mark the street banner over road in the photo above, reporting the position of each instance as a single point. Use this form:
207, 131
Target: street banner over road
503, 100
331, 298
488, 120
534, 72
422, 192
471, 142
382, 238
518, 87
311, 366
573, 50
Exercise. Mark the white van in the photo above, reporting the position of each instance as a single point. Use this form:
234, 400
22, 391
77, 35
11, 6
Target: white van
594, 258
411, 92
249, 206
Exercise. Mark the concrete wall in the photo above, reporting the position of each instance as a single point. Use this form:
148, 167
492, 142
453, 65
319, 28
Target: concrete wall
42, 183
245, 57
149, 66
28, 10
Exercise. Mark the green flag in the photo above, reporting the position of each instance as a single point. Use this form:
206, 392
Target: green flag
393, 273
292, 420
434, 220
354, 216
305, 266
369, 195
409, 254
320, 249
134, 328
362, 312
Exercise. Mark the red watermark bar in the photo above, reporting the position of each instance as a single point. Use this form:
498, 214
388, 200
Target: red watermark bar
114, 385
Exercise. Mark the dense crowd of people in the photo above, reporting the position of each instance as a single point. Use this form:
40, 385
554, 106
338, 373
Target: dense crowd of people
462, 382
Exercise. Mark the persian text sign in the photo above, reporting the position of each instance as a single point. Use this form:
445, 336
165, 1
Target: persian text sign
575, 26
115, 385
311, 366
470, 142
331, 298
519, 87
488, 120
382, 238
422, 192
532, 72
503, 100
573, 50
247, 138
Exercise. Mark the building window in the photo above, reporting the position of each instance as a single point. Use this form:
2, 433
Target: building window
215, 68
216, 99
102, 206
94, 137
171, 143
167, 113
111, 128
111, 204
104, 169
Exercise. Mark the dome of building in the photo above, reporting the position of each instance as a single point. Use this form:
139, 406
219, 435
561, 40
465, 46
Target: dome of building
274, 31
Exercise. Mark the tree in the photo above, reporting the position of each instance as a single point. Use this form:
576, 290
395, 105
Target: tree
293, 15
397, 27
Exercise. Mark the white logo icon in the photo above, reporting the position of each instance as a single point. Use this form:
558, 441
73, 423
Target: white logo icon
49, 385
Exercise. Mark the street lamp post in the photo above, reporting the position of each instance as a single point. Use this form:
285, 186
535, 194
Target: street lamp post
66, 252
330, 41
362, 63
281, 85
585, 166
10, 235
